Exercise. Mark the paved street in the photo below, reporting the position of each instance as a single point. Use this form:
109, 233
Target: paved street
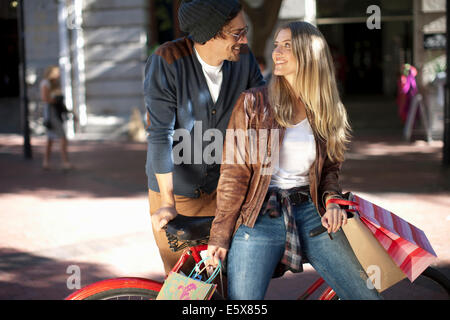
96, 216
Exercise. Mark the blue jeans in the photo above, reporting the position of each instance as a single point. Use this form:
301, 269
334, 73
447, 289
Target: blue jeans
255, 253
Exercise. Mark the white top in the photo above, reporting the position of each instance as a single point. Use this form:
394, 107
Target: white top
297, 154
213, 75
44, 83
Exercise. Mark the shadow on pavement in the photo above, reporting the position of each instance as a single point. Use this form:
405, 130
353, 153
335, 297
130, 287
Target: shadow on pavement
395, 166
26, 276
380, 160
102, 169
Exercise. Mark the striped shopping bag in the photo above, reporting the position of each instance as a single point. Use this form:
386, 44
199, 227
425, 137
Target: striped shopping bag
406, 244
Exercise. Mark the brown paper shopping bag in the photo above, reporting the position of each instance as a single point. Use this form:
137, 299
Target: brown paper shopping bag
378, 265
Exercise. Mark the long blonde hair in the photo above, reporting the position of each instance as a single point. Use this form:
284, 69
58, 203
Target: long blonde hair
55, 83
315, 86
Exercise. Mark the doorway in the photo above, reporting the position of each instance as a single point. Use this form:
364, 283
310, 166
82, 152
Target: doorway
9, 69
357, 56
9, 55
368, 61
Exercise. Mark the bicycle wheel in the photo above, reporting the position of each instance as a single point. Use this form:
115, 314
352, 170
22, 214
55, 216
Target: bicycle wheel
119, 289
430, 285
441, 282
125, 294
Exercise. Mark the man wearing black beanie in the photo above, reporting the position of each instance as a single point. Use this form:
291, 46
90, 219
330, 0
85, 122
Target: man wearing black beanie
191, 86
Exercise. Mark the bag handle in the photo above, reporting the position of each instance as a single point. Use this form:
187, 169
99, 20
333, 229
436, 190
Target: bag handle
214, 274
344, 203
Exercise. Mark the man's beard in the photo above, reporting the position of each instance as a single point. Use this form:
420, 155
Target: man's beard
234, 58
235, 54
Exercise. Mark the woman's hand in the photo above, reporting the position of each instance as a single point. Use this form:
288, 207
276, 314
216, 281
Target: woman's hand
215, 253
334, 218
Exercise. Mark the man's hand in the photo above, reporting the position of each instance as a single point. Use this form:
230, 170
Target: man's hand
215, 253
334, 218
162, 216
167, 210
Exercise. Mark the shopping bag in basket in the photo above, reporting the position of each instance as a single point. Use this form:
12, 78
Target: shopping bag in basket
180, 287
406, 245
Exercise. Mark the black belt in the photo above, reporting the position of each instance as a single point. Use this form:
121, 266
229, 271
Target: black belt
297, 198
299, 195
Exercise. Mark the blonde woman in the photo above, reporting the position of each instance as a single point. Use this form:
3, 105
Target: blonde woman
54, 115
262, 221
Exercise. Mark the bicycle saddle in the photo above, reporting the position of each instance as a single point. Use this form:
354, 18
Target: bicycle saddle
189, 228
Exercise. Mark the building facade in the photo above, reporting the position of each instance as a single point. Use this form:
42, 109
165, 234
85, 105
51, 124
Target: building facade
102, 47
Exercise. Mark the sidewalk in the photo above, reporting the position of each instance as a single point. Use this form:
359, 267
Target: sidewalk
96, 216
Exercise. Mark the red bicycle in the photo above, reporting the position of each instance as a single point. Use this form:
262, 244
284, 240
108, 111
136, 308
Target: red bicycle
191, 235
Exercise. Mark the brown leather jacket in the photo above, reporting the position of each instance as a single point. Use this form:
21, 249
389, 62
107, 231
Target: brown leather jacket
243, 185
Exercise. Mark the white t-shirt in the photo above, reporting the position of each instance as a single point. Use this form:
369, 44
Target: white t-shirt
44, 83
213, 75
297, 154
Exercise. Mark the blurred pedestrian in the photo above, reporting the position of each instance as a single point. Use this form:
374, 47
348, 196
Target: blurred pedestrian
191, 85
406, 90
55, 114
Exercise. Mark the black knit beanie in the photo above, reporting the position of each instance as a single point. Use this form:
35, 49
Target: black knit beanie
202, 19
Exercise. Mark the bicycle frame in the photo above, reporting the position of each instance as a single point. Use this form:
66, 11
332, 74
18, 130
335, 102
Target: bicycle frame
195, 252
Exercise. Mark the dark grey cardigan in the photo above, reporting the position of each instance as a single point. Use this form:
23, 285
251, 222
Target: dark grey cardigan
177, 97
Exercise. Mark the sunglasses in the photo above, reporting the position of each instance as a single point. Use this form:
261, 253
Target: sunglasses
240, 35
